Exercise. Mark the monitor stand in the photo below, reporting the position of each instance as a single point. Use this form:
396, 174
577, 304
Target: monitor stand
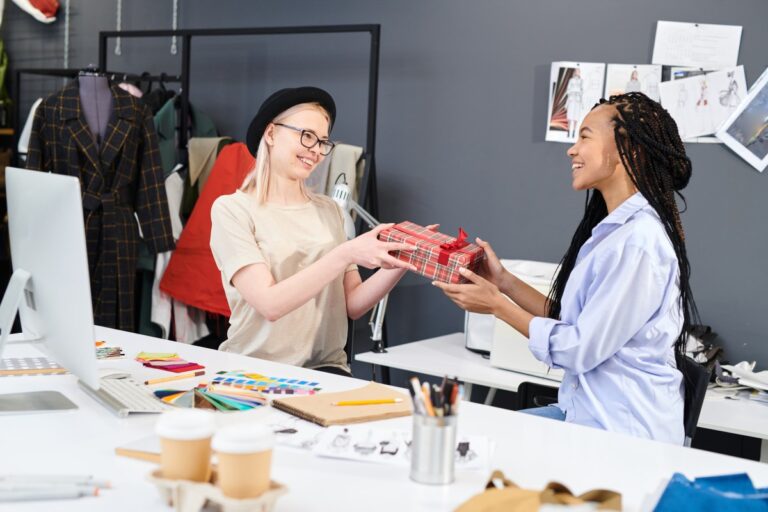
30, 401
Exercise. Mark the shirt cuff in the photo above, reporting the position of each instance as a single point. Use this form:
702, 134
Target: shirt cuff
539, 332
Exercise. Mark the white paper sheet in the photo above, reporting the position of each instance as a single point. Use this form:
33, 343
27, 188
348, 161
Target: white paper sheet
622, 78
574, 88
363, 443
700, 104
746, 130
696, 44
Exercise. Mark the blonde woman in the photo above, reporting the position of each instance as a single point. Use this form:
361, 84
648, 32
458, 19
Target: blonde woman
289, 274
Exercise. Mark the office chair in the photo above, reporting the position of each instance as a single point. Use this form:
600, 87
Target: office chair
696, 378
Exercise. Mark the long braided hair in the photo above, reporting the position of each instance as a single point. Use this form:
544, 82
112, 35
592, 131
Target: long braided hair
651, 150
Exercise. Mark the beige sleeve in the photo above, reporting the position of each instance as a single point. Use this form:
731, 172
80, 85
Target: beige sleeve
341, 234
233, 241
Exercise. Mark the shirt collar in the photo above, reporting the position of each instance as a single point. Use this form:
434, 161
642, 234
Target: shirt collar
625, 210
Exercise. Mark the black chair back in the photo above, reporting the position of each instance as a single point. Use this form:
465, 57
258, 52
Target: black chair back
696, 378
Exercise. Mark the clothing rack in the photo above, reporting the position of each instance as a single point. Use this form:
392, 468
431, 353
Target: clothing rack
367, 192
70, 73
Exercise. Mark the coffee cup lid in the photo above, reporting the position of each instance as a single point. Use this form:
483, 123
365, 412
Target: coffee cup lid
244, 438
186, 424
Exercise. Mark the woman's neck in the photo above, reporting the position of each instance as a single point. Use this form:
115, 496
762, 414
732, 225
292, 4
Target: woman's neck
285, 191
614, 196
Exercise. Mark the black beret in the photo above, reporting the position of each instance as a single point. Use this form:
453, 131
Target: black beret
281, 101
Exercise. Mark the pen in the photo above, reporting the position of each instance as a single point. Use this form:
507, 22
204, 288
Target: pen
369, 402
427, 399
47, 493
418, 402
29, 479
180, 376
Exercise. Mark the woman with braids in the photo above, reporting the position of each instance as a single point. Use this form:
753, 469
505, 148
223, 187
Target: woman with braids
618, 313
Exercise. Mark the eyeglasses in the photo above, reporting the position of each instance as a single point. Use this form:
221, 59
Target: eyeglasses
310, 140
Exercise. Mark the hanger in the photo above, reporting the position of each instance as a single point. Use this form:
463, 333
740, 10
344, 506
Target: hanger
90, 70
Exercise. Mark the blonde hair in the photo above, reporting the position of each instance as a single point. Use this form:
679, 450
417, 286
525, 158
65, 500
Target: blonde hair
258, 180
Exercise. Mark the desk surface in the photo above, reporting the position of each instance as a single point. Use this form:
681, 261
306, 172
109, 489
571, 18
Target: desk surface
446, 355
531, 450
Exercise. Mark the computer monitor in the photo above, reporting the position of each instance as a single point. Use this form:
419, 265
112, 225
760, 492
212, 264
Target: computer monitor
50, 286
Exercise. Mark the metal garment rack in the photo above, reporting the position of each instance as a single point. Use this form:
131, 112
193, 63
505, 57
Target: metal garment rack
367, 194
69, 73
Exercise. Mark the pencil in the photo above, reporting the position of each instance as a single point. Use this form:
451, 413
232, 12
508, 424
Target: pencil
427, 399
369, 402
180, 376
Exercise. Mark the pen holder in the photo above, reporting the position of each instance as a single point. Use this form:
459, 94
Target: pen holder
433, 448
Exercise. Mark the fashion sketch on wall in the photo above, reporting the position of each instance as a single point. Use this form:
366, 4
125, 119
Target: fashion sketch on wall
622, 78
574, 89
701, 103
746, 130
678, 73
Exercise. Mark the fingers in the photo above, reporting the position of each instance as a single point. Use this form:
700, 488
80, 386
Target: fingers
433, 227
396, 263
381, 227
397, 246
486, 247
471, 276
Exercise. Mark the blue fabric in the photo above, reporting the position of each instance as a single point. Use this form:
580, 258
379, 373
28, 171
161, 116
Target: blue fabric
726, 493
551, 411
620, 316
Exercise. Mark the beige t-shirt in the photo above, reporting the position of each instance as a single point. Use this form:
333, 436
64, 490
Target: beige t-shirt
286, 239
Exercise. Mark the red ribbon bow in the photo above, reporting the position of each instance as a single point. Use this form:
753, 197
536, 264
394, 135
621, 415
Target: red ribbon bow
449, 247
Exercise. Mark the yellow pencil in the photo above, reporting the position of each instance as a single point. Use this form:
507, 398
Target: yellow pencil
178, 376
369, 402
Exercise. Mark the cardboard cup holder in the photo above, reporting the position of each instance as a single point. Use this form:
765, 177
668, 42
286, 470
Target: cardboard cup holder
188, 496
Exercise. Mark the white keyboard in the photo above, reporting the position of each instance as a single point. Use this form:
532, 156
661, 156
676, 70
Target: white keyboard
125, 396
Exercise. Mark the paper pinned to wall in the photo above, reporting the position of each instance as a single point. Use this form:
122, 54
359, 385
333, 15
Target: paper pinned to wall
574, 88
700, 104
696, 44
746, 130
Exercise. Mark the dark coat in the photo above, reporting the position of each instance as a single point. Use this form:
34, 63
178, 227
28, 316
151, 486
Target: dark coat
121, 178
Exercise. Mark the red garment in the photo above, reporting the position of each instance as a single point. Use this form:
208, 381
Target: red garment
47, 7
192, 276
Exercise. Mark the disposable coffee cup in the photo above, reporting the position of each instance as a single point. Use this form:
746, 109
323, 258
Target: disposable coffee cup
185, 444
245, 456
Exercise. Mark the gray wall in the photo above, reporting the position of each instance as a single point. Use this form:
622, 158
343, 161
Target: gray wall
462, 103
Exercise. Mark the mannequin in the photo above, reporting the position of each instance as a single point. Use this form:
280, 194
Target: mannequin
96, 103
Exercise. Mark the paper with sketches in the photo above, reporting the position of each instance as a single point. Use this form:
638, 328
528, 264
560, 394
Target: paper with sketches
574, 88
746, 130
700, 104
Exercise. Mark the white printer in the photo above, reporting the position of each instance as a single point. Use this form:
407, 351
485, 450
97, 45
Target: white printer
509, 348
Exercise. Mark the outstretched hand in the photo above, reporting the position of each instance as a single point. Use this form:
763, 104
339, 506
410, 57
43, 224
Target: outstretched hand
477, 296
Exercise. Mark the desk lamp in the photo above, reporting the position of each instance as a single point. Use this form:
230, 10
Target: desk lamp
341, 194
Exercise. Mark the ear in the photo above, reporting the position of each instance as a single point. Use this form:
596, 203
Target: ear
269, 135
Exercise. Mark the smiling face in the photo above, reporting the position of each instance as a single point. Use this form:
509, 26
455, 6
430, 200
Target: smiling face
287, 156
595, 162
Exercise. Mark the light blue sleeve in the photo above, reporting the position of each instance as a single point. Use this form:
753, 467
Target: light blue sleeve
624, 295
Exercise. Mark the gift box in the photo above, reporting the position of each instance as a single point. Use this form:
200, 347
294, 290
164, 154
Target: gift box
437, 256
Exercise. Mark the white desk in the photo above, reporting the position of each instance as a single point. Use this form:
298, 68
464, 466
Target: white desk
531, 450
446, 355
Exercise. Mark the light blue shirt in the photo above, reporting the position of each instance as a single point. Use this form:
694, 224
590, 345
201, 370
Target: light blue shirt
620, 316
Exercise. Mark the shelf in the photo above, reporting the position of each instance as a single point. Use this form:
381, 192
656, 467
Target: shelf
6, 131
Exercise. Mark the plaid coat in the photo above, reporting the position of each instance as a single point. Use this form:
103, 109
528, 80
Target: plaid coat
120, 180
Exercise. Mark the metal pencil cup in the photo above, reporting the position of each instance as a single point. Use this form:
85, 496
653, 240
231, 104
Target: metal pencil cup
433, 449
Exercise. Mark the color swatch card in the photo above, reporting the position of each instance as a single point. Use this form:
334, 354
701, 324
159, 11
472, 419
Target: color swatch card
263, 384
169, 362
104, 352
211, 397
29, 366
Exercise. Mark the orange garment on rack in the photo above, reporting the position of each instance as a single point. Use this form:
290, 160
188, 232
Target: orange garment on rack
192, 276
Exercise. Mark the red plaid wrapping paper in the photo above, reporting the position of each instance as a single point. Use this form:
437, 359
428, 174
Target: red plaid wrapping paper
437, 256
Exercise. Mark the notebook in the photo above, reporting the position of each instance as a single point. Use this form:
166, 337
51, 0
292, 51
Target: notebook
318, 408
